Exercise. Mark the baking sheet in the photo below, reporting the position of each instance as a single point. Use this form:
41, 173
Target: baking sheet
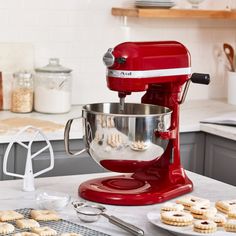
61, 226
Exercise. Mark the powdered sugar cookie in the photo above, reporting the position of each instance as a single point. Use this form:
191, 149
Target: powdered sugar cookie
6, 228
44, 231
10, 215
27, 224
44, 215
219, 219
230, 225
204, 226
172, 206
25, 234
189, 201
176, 218
225, 206
197, 211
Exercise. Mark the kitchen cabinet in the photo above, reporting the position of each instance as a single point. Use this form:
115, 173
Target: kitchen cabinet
191, 148
192, 157
192, 151
11, 160
220, 159
174, 13
201, 153
64, 164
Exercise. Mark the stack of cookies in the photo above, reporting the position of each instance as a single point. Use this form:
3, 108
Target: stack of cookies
199, 213
11, 221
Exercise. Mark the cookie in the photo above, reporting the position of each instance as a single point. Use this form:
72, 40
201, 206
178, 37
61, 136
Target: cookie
176, 218
27, 224
44, 231
6, 228
44, 215
225, 206
232, 214
172, 206
204, 226
189, 201
230, 225
70, 234
25, 234
10, 215
219, 219
197, 211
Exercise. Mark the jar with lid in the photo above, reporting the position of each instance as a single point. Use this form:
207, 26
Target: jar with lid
53, 88
22, 92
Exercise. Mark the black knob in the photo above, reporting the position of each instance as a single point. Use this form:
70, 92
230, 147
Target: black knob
121, 60
200, 78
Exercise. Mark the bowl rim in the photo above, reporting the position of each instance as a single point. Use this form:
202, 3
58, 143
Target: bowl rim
167, 113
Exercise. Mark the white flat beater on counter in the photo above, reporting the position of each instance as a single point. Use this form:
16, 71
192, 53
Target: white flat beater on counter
28, 177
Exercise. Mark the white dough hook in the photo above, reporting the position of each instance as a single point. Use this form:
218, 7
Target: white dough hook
28, 177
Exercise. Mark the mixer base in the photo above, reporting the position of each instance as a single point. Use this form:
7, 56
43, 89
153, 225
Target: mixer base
126, 190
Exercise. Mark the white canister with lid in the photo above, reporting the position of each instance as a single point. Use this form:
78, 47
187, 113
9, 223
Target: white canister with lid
53, 88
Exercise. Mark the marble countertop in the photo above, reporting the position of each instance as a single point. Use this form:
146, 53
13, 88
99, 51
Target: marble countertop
12, 197
191, 113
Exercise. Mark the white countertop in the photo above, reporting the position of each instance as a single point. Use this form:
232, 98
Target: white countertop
12, 197
191, 113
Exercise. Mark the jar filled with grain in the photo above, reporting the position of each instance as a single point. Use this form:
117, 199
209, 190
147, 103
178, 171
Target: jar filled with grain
22, 92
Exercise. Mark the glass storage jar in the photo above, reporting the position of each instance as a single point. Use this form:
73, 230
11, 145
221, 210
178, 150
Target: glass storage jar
22, 92
53, 88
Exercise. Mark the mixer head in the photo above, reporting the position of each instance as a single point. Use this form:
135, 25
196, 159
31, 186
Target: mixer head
133, 66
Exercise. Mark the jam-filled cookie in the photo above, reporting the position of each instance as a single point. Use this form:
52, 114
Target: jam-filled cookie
225, 206
219, 219
172, 206
204, 226
230, 225
232, 214
176, 218
198, 211
189, 201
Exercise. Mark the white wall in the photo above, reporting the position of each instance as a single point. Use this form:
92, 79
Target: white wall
79, 32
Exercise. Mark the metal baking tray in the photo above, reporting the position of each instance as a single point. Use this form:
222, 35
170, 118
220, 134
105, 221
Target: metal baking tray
61, 226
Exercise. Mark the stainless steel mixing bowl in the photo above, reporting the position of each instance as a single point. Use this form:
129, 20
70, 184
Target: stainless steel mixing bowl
123, 140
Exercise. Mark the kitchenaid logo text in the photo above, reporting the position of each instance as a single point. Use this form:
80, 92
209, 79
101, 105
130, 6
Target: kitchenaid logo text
148, 73
119, 73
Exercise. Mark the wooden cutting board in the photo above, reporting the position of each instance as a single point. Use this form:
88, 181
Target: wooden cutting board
16, 123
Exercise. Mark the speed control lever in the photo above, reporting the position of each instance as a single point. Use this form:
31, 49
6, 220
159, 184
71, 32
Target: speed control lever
197, 78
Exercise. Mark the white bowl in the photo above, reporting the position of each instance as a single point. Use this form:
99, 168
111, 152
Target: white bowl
52, 200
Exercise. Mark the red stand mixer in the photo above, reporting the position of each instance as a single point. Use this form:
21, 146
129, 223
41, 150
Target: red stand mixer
161, 69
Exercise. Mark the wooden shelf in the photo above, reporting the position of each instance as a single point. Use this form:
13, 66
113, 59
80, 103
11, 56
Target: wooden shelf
174, 13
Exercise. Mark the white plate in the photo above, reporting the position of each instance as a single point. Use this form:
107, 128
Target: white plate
154, 218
